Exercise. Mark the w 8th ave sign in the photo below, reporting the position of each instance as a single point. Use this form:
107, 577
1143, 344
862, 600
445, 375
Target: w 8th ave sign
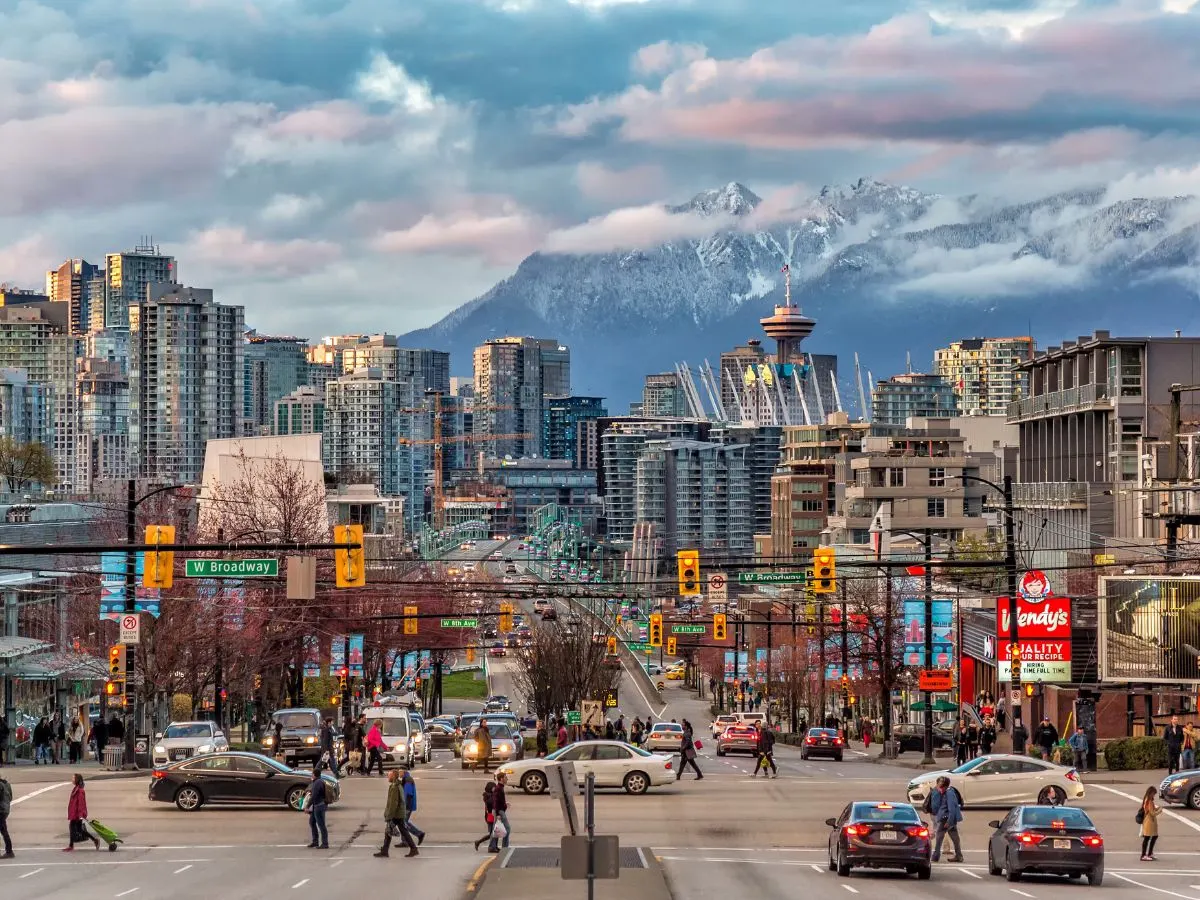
1041, 619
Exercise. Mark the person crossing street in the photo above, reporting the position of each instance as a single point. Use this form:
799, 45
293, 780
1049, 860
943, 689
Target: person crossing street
5, 807
1078, 743
410, 803
765, 748
316, 804
395, 817
687, 752
946, 808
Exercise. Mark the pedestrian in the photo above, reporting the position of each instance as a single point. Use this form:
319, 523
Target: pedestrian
77, 814
483, 748
1001, 713
1020, 737
1173, 736
395, 817
687, 752
1189, 746
610, 731
360, 744
317, 802
100, 736
621, 732
562, 738
4, 731
542, 741
987, 736
5, 808
1078, 743
410, 803
325, 741
1046, 736
635, 732
961, 746
59, 736
75, 740
765, 748
1148, 820
278, 742
116, 729
946, 807
375, 747
867, 732
41, 742
489, 811
501, 830
972, 739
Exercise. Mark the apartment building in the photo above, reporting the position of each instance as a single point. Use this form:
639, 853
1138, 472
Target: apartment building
984, 373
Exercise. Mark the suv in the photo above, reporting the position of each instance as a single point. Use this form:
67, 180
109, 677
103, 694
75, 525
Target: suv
183, 740
399, 734
300, 740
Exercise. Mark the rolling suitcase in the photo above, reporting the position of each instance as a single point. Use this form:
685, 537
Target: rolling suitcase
107, 835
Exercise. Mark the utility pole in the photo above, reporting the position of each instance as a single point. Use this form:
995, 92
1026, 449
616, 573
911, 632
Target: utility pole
1010, 566
928, 695
821, 663
846, 712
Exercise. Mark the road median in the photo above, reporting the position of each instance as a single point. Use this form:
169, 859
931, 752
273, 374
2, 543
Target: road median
533, 872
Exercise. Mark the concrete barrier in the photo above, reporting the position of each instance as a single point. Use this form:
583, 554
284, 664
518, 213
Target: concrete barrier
633, 663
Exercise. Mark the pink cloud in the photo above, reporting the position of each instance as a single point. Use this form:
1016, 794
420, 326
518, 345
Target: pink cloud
24, 263
231, 248
636, 184
334, 121
633, 228
664, 56
501, 236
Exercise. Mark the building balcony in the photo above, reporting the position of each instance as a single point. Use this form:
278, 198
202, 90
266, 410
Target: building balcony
1077, 399
1051, 495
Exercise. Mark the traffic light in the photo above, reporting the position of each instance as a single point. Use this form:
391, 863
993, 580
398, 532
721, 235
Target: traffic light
656, 630
116, 662
689, 572
825, 570
1029, 689
110, 688
845, 682
506, 617
410, 622
612, 645
672, 646
470, 654
349, 565
719, 626
1015, 664
343, 675
158, 571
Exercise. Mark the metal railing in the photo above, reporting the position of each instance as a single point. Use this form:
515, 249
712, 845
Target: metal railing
1069, 400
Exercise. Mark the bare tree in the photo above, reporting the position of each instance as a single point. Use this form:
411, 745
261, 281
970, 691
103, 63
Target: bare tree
268, 497
561, 667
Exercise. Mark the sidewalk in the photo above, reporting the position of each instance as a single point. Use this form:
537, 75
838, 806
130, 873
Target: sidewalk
23, 771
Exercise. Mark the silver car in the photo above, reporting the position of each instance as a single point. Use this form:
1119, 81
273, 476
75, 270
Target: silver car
183, 740
1003, 780
664, 736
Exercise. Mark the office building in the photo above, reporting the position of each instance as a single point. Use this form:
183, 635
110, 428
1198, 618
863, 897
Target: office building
25, 409
899, 398
185, 379
984, 372
14, 296
587, 444
561, 419
102, 445
129, 275
80, 284
109, 344
274, 367
663, 395
513, 375
517, 488
300, 412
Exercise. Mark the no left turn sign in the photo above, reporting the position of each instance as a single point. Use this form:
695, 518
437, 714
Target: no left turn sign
717, 587
131, 628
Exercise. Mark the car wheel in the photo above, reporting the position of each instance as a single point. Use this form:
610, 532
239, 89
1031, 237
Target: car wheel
1011, 872
838, 758
843, 866
1096, 876
720, 752
924, 872
1052, 796
533, 782
993, 869
804, 756
637, 783
189, 798
1193, 798
294, 797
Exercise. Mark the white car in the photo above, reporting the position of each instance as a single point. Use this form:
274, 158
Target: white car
1001, 779
615, 765
183, 740
665, 736
723, 722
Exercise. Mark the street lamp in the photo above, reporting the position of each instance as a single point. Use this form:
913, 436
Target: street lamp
1010, 565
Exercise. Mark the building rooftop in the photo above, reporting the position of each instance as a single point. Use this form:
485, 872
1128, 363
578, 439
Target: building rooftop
1100, 338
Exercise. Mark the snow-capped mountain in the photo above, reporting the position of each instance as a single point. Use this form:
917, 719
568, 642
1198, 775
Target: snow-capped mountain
884, 269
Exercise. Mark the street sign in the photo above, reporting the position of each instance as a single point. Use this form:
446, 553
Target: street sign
687, 629
1103, 559
460, 623
639, 648
231, 568
1015, 697
772, 578
936, 680
131, 629
718, 587
593, 713
574, 717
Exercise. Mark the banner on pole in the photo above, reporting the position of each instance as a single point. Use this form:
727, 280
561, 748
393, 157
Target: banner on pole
337, 654
312, 657
357, 644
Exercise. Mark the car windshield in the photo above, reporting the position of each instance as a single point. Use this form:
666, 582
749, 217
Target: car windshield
500, 731
297, 720
1046, 816
667, 727
391, 726
969, 765
193, 730
883, 812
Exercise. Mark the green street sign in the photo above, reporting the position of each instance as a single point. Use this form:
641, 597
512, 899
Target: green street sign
574, 717
460, 623
638, 648
687, 629
772, 578
231, 568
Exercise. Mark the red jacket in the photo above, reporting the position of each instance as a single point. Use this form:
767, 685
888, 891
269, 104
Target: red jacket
375, 739
77, 805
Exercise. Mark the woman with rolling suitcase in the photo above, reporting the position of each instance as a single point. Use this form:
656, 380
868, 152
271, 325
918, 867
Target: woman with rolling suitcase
77, 815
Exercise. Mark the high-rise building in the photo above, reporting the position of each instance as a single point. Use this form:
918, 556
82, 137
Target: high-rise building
761, 443
513, 375
983, 372
109, 344
25, 409
894, 401
102, 447
80, 284
129, 274
300, 412
756, 388
185, 379
275, 366
561, 418
663, 395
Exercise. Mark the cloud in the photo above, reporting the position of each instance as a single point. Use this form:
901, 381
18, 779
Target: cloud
639, 183
291, 207
230, 249
984, 273
633, 228
386, 82
22, 263
665, 56
494, 228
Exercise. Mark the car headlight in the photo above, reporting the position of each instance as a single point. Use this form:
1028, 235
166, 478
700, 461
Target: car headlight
268, 742
1178, 782
471, 746
400, 747
310, 740
507, 770
205, 748
158, 748
505, 749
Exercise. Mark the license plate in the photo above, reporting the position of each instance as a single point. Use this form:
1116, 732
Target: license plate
1062, 845
888, 836
179, 754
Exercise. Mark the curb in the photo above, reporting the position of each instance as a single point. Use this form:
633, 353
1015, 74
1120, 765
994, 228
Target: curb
480, 875
88, 776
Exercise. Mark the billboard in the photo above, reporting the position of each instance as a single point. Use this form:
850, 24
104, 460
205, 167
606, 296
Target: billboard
1046, 619
914, 633
1149, 629
1047, 661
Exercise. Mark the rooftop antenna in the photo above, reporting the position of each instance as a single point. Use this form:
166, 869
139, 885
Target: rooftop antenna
787, 285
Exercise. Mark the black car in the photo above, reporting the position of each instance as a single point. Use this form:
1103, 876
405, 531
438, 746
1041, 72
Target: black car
911, 736
823, 742
879, 835
233, 777
1182, 787
441, 735
1046, 840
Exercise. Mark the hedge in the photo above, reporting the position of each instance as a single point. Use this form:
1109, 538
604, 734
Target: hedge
1136, 753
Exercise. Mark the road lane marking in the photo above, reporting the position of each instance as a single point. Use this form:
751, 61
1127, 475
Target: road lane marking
1174, 815
852, 890
126, 893
1022, 893
969, 872
816, 868
34, 872
184, 869
336, 863
300, 884
1151, 887
39, 792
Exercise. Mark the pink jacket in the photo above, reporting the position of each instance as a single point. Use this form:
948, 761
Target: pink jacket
77, 805
375, 738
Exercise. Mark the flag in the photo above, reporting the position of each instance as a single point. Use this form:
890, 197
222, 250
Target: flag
786, 268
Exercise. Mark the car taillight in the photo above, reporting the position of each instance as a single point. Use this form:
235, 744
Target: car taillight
1072, 775
809, 740
837, 740
668, 764
917, 831
1030, 838
857, 830
1092, 840
159, 773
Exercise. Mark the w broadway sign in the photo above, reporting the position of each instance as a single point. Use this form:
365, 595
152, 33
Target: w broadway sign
232, 568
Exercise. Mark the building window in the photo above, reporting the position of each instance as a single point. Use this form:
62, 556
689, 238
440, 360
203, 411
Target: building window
937, 477
935, 508
895, 477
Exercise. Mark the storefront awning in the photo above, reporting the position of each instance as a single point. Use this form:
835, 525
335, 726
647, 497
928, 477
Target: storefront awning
938, 706
12, 648
41, 666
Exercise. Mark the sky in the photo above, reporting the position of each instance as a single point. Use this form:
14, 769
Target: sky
369, 165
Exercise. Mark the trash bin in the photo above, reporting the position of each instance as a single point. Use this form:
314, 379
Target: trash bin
114, 757
141, 751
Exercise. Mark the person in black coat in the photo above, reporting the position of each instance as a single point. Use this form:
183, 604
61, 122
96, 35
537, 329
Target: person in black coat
1173, 737
1046, 736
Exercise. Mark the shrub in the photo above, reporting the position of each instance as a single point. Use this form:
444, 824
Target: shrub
1136, 753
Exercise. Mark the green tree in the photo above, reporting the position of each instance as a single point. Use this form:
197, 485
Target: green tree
25, 464
972, 547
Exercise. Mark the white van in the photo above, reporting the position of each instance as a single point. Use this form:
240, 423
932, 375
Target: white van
398, 733
749, 718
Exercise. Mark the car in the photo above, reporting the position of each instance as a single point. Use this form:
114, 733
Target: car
911, 736
823, 742
497, 649
879, 835
490, 633
720, 723
1046, 840
541, 604
614, 763
497, 702
183, 740
233, 777
664, 736
1182, 788
300, 739
549, 614
674, 675
469, 567
496, 554
422, 750
398, 730
465, 545
738, 739
507, 744
441, 735
1001, 779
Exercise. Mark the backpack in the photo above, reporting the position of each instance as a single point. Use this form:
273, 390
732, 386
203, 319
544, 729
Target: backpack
489, 796
927, 806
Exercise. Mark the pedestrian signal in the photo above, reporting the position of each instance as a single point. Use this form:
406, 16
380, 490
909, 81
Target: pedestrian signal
410, 621
349, 565
825, 570
158, 570
719, 626
656, 630
689, 572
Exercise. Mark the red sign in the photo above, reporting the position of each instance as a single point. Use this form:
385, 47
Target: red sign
1041, 619
1040, 651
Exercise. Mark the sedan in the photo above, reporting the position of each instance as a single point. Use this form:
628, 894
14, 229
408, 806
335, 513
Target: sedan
614, 763
823, 742
233, 777
664, 736
879, 835
1001, 779
183, 740
1182, 787
506, 745
497, 649
911, 736
441, 735
720, 723
1046, 840
738, 739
